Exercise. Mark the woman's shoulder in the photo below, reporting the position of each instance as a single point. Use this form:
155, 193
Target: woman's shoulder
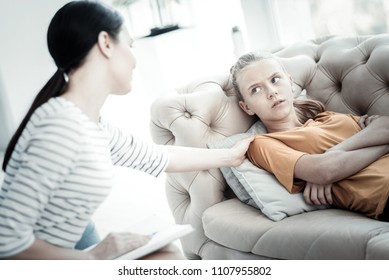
60, 109
53, 125
57, 115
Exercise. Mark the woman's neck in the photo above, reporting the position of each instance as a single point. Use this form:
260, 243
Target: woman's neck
89, 85
87, 93
89, 106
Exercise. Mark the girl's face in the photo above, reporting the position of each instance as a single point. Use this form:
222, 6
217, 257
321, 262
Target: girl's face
123, 65
266, 90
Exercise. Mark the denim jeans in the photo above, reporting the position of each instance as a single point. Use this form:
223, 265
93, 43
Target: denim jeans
89, 237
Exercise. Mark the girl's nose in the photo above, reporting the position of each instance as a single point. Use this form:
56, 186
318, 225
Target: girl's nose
271, 92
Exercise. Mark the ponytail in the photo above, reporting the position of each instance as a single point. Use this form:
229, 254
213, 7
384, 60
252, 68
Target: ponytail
53, 88
307, 109
72, 33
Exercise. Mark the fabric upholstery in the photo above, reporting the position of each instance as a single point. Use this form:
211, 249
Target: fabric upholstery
349, 75
259, 188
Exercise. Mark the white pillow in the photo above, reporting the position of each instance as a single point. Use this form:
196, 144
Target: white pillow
228, 174
259, 188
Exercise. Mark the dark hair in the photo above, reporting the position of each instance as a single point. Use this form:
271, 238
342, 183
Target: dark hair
305, 108
72, 33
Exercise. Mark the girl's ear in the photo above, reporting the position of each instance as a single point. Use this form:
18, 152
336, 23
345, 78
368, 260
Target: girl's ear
104, 44
246, 108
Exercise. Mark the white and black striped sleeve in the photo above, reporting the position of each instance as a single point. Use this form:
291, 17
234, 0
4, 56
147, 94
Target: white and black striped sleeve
129, 151
34, 173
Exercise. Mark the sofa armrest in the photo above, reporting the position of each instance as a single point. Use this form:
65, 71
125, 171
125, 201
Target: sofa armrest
195, 115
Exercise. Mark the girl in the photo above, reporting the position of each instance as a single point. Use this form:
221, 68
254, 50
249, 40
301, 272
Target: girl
338, 159
59, 162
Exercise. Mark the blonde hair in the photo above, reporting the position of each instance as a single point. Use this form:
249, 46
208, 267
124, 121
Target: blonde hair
305, 108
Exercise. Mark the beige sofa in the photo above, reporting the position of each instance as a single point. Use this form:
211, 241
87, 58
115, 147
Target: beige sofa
349, 75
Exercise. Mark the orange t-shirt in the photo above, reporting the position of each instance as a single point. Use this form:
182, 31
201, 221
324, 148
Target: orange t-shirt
366, 191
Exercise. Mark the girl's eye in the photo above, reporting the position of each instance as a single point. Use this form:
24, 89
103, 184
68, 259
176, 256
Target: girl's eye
255, 90
275, 80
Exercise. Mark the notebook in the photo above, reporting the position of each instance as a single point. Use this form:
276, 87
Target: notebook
162, 233
159, 240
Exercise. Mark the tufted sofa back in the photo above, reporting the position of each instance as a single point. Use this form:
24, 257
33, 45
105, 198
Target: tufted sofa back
349, 75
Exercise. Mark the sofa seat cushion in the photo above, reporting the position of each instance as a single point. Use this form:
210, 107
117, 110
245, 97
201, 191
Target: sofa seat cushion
322, 234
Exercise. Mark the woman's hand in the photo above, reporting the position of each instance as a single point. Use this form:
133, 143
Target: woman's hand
315, 194
117, 244
239, 151
184, 159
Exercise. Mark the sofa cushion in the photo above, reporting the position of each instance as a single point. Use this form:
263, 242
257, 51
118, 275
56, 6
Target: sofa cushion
228, 174
324, 234
259, 188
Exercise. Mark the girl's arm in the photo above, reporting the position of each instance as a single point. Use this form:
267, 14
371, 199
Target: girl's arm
183, 159
348, 157
334, 166
375, 132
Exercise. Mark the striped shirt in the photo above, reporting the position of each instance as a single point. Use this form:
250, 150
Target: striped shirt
61, 170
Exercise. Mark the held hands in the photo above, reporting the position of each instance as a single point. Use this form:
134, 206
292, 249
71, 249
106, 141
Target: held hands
318, 194
117, 244
239, 151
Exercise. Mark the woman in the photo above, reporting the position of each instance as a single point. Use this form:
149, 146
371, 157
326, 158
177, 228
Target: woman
338, 159
59, 163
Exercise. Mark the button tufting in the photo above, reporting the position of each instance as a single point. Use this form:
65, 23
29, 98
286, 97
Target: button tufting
187, 115
339, 86
367, 57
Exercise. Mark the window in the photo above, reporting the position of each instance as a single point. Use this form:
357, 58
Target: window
349, 17
276, 23
153, 17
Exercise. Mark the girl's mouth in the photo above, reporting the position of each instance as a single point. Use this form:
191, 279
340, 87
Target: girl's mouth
278, 102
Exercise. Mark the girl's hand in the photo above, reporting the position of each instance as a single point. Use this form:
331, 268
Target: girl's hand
117, 244
239, 151
365, 120
315, 194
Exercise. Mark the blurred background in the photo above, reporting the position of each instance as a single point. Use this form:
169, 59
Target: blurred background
176, 41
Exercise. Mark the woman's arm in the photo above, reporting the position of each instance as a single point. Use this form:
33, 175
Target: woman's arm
113, 246
183, 159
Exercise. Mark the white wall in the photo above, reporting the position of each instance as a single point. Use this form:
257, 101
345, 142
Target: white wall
294, 21
275, 23
262, 31
181, 56
6, 122
25, 63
